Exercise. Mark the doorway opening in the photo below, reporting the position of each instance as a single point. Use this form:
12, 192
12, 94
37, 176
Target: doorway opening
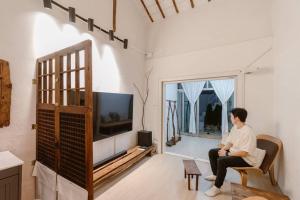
197, 115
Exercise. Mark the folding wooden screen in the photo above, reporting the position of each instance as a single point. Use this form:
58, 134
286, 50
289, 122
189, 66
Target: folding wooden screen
64, 114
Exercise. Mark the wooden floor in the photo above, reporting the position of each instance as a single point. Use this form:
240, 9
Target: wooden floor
161, 177
193, 147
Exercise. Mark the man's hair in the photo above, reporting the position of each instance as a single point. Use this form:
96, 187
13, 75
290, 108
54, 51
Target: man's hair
241, 113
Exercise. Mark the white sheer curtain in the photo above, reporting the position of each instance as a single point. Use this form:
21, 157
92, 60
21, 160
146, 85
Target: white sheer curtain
193, 90
224, 90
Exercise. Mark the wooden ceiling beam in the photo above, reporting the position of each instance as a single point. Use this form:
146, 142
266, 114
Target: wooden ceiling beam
147, 11
192, 3
175, 6
114, 15
160, 9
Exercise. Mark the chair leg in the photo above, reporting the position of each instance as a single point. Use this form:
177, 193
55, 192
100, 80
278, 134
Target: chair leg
272, 176
244, 177
189, 182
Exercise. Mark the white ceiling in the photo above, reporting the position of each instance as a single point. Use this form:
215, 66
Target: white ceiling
168, 8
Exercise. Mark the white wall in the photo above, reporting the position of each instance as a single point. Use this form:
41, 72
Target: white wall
287, 94
29, 31
216, 39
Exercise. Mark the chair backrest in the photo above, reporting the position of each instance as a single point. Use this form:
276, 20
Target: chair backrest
273, 146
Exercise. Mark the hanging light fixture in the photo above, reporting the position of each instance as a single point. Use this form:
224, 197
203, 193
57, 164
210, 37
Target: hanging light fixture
111, 35
72, 14
91, 25
125, 44
90, 22
47, 4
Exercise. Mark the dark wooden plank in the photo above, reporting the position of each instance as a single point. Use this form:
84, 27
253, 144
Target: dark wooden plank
9, 172
45, 82
61, 80
114, 15
50, 81
160, 8
89, 119
192, 3
191, 167
147, 11
68, 79
73, 70
39, 84
115, 167
77, 79
45, 106
78, 47
175, 6
20, 183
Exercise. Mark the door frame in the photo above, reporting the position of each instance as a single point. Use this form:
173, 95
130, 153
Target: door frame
239, 97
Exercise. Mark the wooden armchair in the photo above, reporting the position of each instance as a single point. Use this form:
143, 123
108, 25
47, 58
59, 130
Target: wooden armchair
273, 147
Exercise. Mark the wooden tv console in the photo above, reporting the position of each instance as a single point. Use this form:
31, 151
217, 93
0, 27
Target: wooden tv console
109, 170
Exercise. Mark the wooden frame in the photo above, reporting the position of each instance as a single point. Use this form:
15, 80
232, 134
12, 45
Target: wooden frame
175, 6
239, 98
192, 3
117, 166
243, 171
114, 15
147, 11
5, 94
160, 9
64, 113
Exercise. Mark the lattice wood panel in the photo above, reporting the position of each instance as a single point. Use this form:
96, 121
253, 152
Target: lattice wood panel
72, 151
46, 138
64, 87
46, 81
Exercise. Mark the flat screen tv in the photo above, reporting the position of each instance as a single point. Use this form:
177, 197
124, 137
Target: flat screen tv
112, 114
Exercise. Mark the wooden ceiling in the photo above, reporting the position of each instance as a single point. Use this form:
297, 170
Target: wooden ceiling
160, 9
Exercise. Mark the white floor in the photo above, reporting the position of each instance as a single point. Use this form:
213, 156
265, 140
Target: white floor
193, 147
161, 178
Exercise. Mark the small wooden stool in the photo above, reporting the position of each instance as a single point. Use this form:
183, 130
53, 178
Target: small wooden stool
191, 169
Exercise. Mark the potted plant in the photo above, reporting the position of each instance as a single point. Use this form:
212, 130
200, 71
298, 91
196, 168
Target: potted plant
144, 136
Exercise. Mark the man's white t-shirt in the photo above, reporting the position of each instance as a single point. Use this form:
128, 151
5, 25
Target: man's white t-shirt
243, 139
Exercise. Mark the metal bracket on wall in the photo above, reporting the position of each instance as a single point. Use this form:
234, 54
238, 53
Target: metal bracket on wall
34, 126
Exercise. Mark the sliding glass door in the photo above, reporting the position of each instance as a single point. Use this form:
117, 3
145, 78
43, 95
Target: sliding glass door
208, 110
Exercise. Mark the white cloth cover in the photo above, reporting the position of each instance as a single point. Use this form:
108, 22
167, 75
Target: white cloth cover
224, 90
260, 156
68, 190
46, 182
193, 90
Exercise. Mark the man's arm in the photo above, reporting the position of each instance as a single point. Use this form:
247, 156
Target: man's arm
239, 154
227, 146
223, 150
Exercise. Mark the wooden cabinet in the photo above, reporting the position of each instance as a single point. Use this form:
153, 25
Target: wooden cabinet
10, 176
10, 183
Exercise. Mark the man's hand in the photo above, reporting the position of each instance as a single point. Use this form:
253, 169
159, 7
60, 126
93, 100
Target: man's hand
222, 152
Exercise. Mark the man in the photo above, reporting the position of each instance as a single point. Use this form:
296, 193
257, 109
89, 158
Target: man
238, 151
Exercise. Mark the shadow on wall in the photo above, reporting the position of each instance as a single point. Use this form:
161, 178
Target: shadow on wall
49, 37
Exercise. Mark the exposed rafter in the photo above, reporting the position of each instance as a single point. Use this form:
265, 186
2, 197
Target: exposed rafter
192, 3
160, 9
114, 15
147, 11
175, 6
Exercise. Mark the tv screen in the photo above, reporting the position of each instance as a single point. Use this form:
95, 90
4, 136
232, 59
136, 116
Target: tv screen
112, 114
